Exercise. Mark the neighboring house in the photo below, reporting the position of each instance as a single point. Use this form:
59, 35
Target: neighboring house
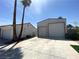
52, 28
6, 32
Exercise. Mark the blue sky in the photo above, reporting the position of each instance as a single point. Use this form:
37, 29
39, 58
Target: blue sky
40, 10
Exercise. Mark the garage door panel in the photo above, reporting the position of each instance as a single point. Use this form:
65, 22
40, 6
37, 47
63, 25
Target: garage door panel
56, 30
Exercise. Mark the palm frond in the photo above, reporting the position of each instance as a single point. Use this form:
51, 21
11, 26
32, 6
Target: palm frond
26, 2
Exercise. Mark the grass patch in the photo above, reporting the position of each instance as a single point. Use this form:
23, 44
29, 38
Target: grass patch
76, 47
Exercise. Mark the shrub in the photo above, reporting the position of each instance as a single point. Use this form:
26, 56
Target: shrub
72, 34
28, 36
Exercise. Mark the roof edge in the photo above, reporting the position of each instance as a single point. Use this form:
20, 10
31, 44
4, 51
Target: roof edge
12, 25
50, 19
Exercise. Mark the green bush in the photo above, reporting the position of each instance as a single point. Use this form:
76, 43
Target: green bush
74, 35
72, 32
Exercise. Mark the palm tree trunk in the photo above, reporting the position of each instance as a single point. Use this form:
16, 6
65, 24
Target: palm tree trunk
14, 21
22, 23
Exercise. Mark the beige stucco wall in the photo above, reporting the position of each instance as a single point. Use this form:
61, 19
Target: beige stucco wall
7, 31
28, 29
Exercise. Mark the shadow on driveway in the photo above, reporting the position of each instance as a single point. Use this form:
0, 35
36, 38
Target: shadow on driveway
11, 54
4, 43
8, 45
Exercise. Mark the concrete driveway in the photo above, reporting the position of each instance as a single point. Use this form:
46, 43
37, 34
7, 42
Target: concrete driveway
40, 48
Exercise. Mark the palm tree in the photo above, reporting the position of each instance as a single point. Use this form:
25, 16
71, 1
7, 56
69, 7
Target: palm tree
14, 21
25, 4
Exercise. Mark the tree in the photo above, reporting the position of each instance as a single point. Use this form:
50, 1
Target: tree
72, 32
25, 4
69, 26
14, 21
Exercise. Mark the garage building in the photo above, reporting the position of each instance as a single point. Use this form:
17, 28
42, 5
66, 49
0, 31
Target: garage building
6, 31
52, 28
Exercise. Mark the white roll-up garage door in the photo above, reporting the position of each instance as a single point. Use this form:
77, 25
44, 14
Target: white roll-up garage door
56, 30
